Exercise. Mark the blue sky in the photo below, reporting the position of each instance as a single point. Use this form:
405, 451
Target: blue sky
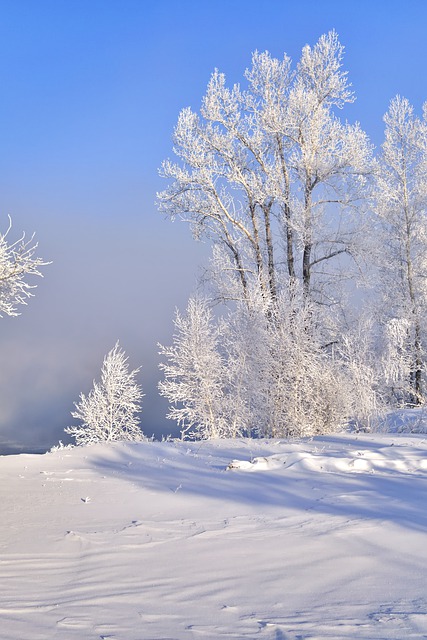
91, 91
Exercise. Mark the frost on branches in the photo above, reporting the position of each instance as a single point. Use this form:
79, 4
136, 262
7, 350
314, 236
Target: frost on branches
17, 261
110, 411
252, 374
273, 176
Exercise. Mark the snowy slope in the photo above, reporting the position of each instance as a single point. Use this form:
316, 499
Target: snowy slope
324, 538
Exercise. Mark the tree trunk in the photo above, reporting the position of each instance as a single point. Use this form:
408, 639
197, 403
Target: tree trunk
308, 245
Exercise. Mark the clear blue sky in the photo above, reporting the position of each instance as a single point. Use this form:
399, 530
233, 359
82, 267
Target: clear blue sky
91, 91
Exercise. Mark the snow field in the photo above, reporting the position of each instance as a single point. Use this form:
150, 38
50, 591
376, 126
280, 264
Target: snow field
319, 539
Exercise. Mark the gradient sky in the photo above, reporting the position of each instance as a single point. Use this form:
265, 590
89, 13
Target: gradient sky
91, 91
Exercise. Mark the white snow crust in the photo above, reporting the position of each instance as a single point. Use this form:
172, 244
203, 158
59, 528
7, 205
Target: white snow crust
319, 539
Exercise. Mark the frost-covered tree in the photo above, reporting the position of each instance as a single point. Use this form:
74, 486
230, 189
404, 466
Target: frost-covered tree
401, 206
194, 374
272, 175
110, 411
249, 374
18, 260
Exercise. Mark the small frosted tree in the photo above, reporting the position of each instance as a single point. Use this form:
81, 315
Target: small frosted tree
396, 360
110, 411
17, 261
194, 374
362, 369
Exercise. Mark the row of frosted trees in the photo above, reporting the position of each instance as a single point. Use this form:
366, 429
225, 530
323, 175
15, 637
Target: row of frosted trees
315, 297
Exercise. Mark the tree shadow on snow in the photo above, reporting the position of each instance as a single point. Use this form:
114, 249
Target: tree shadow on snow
199, 470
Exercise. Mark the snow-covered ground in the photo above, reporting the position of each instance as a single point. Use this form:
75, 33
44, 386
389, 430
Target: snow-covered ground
317, 539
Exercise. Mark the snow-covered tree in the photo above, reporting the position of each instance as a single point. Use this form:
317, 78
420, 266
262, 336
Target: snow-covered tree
194, 374
272, 175
17, 262
401, 206
110, 411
